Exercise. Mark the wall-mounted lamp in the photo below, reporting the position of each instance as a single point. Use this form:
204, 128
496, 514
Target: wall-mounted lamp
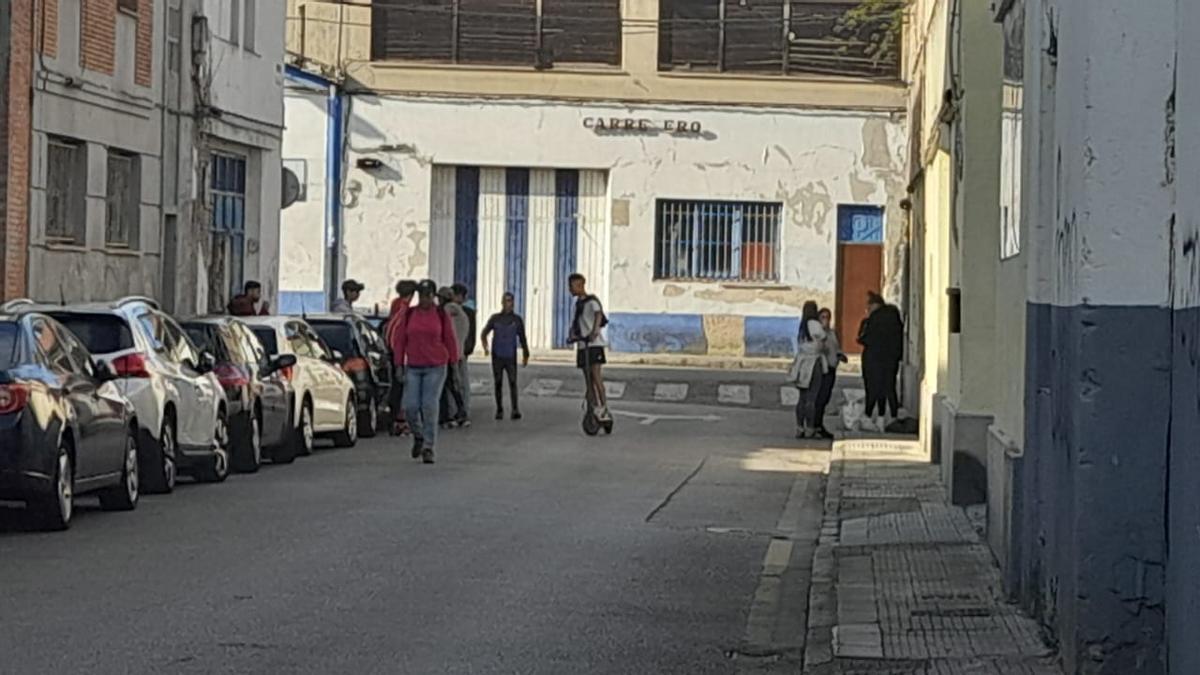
368, 163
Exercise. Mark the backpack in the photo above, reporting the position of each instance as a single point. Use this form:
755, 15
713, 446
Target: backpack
576, 327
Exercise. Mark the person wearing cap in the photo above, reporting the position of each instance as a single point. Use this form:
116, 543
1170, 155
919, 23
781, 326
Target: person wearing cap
351, 290
424, 345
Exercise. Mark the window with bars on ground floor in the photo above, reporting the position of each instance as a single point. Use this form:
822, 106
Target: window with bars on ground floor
717, 240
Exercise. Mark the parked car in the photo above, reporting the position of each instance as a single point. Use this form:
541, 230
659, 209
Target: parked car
324, 401
365, 358
256, 390
65, 429
180, 404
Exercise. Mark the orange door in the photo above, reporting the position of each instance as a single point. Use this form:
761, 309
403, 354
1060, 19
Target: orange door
860, 270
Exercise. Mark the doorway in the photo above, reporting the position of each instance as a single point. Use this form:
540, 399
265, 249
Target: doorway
859, 268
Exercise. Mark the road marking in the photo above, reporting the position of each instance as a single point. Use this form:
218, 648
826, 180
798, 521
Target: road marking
615, 391
544, 388
737, 394
647, 419
480, 386
670, 392
789, 396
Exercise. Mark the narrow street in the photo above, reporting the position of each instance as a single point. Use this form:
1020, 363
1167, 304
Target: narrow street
527, 548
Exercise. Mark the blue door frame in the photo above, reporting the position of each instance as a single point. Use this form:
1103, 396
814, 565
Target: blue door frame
566, 234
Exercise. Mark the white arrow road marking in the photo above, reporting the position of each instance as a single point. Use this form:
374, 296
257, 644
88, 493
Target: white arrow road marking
647, 419
544, 388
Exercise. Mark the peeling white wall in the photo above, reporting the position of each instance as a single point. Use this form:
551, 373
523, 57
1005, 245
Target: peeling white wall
302, 258
810, 161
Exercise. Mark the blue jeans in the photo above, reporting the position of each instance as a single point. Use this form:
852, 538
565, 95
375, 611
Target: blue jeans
422, 396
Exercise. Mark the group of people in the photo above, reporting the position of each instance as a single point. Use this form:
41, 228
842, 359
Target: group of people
819, 353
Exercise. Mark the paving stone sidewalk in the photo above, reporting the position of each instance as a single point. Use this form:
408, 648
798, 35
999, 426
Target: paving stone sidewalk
902, 583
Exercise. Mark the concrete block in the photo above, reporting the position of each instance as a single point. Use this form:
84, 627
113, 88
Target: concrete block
673, 392
734, 394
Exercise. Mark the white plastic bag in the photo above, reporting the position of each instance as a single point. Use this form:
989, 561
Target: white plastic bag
854, 409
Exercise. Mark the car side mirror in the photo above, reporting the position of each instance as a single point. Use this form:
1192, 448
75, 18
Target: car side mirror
278, 363
207, 363
103, 371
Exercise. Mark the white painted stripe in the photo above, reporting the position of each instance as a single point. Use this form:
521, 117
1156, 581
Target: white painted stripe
615, 391
539, 301
779, 556
441, 225
493, 230
736, 394
670, 392
544, 388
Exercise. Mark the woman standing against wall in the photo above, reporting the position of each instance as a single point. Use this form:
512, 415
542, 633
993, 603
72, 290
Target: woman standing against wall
808, 369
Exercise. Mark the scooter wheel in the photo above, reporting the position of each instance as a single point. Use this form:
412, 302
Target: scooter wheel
591, 425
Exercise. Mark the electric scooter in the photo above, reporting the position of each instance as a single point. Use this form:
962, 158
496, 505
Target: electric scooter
592, 424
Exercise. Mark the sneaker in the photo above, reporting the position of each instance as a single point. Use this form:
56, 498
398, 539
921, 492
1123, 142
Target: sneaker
418, 443
427, 455
824, 434
603, 414
517, 415
463, 424
500, 414
799, 433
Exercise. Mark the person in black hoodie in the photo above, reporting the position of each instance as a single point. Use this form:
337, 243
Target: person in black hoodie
882, 337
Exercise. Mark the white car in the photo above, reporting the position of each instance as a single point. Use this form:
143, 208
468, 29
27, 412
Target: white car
180, 404
324, 401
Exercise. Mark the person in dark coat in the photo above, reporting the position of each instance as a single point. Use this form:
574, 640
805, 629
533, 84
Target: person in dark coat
882, 337
509, 330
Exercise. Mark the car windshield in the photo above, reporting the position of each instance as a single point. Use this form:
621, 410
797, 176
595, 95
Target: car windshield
100, 333
10, 337
267, 337
337, 335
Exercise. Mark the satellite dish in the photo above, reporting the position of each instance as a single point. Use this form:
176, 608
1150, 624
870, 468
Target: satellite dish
292, 189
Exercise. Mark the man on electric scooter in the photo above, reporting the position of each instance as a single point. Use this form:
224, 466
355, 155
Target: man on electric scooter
588, 335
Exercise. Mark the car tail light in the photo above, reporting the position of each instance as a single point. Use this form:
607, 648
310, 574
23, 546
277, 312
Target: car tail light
130, 365
13, 397
230, 376
287, 372
355, 365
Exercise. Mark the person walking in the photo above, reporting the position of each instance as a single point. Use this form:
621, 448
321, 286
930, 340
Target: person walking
351, 292
882, 336
424, 345
833, 357
509, 329
405, 290
249, 302
808, 369
454, 406
462, 297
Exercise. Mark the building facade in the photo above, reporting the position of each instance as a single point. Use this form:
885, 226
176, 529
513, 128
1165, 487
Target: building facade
706, 187
129, 103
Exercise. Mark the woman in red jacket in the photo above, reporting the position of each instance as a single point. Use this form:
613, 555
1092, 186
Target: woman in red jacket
424, 344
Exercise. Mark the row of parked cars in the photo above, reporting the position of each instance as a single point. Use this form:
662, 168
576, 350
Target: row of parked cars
120, 398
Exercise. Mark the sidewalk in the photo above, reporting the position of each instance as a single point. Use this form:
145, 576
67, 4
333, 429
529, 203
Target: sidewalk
902, 583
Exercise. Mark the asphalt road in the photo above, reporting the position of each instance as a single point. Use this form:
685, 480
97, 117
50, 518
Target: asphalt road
528, 548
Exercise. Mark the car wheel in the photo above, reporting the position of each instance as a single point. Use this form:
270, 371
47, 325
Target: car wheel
124, 497
216, 468
249, 456
348, 436
160, 470
53, 511
368, 421
305, 433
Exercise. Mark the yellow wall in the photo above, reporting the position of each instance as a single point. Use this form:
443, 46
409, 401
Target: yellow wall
337, 38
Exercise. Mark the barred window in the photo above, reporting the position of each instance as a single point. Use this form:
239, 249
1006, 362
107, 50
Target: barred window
66, 191
498, 32
122, 225
717, 240
849, 38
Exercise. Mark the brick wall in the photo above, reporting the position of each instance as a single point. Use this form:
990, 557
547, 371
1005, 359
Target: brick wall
99, 36
15, 136
145, 43
47, 24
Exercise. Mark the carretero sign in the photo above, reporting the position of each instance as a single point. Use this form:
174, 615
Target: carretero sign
642, 125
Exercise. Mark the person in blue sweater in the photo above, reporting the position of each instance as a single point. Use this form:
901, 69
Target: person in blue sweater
509, 330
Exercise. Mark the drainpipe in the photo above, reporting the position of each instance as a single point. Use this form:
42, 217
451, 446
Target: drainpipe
334, 147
